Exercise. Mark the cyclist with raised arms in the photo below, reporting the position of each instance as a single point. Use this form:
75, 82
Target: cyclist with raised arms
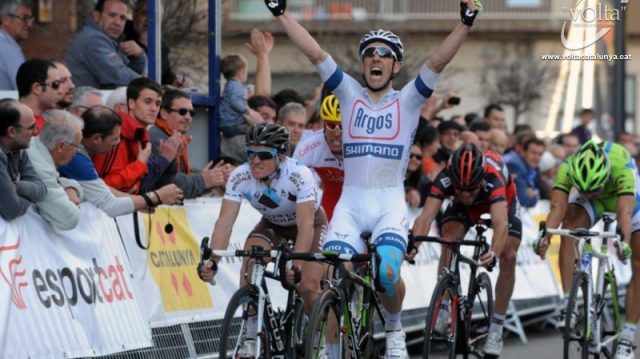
284, 192
598, 178
322, 151
379, 124
479, 183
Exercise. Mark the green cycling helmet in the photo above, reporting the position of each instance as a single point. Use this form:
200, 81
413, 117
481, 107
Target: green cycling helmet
589, 167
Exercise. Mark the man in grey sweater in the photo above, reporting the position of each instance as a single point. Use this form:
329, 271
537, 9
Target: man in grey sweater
97, 57
19, 184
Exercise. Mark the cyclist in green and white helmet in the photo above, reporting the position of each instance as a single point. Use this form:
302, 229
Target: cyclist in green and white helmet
599, 177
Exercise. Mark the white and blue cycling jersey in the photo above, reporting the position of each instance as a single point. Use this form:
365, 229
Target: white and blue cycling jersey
377, 137
377, 140
277, 202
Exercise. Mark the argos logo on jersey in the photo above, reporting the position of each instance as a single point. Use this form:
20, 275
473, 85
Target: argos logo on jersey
381, 124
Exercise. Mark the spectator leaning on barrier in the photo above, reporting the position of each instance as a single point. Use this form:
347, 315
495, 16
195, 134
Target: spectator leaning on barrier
117, 100
570, 142
481, 129
449, 141
84, 97
175, 119
66, 83
56, 145
101, 133
39, 88
131, 166
97, 57
498, 141
19, 183
16, 20
524, 170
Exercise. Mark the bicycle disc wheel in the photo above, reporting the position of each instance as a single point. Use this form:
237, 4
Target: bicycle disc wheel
479, 318
242, 305
326, 309
577, 328
441, 329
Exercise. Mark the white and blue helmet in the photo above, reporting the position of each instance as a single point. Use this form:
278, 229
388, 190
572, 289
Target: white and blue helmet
386, 37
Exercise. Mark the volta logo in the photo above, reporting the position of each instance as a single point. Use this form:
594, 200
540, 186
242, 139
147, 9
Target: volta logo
380, 124
173, 258
11, 275
598, 18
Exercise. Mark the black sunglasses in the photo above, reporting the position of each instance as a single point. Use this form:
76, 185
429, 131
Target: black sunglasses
183, 111
262, 155
378, 50
54, 85
25, 18
416, 156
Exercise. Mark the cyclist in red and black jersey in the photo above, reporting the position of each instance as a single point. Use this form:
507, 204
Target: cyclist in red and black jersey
478, 183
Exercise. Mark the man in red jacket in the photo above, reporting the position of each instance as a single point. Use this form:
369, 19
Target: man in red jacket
131, 166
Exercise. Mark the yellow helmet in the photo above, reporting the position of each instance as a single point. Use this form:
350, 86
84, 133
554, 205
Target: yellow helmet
330, 109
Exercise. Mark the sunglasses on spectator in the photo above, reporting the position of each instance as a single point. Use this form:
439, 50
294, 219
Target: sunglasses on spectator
28, 19
54, 85
183, 111
262, 155
378, 50
417, 156
332, 125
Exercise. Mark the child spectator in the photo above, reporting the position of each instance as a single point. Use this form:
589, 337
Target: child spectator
235, 113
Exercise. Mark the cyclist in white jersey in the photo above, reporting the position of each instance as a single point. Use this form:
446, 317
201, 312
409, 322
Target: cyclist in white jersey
284, 192
378, 125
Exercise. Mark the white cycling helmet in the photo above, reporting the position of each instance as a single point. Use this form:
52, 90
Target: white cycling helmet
384, 36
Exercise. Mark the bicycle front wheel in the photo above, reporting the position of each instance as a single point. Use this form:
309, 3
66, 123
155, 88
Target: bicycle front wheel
441, 328
577, 329
323, 325
479, 317
242, 306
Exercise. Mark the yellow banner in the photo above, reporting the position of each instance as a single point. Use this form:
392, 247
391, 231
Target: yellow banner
173, 256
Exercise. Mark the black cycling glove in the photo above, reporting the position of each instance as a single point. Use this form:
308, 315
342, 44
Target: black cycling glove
466, 14
277, 7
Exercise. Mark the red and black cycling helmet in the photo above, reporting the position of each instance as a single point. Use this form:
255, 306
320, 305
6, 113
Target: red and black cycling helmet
466, 167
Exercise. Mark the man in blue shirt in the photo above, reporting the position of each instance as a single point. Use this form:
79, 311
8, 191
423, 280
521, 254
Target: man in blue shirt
524, 170
16, 20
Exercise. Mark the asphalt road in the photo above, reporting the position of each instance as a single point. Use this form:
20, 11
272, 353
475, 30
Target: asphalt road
543, 343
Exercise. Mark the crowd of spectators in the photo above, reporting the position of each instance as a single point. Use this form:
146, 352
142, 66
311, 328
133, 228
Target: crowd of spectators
63, 143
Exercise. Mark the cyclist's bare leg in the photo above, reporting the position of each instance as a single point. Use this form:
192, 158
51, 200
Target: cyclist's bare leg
309, 286
507, 276
633, 290
247, 263
450, 229
393, 304
575, 217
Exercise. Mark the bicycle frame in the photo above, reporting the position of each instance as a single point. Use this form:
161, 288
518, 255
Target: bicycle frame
354, 324
585, 252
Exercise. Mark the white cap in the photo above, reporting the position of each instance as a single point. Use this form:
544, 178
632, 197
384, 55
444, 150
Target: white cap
547, 161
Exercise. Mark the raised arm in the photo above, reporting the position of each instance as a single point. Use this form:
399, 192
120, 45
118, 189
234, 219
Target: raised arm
298, 34
260, 46
450, 46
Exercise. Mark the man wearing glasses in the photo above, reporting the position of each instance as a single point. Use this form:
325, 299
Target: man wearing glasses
19, 183
176, 114
56, 145
479, 183
16, 21
379, 124
39, 88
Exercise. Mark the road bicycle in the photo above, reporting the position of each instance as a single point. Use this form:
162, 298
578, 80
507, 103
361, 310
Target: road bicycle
465, 326
348, 303
280, 332
592, 319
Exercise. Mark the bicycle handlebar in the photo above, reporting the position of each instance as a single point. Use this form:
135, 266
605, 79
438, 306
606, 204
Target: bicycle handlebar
579, 234
454, 243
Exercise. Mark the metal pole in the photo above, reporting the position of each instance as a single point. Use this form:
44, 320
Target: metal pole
214, 28
619, 71
154, 36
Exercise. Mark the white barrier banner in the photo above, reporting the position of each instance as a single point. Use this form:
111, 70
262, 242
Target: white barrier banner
66, 293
